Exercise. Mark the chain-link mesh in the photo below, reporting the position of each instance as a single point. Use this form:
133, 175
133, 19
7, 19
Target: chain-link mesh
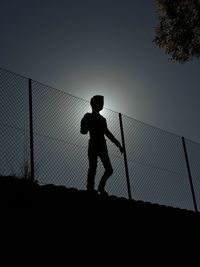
14, 124
58, 148
156, 160
193, 151
157, 165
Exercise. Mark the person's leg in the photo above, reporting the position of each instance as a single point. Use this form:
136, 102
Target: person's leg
92, 157
108, 169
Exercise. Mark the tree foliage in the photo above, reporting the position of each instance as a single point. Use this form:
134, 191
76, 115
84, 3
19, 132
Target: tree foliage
178, 31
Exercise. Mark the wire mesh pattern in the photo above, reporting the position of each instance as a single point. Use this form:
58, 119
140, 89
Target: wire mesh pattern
14, 123
194, 159
156, 165
156, 159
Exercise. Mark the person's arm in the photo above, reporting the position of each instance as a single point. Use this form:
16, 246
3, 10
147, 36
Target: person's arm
84, 125
113, 139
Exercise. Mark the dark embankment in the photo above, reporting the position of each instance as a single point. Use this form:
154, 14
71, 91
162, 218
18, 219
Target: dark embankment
73, 211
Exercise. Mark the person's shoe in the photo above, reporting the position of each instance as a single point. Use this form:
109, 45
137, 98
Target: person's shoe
102, 192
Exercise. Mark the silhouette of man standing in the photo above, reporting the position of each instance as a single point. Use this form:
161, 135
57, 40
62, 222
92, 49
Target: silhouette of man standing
97, 126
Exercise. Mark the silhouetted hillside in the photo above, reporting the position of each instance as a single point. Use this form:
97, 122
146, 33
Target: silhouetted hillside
68, 203
56, 218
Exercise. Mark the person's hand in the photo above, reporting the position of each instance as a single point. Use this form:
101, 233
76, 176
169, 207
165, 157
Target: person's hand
121, 149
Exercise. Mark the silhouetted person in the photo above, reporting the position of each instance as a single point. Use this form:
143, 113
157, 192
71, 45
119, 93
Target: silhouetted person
97, 127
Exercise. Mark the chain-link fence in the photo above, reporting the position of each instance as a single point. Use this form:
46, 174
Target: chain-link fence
14, 123
156, 161
157, 165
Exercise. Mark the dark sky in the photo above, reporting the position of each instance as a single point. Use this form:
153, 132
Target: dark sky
87, 47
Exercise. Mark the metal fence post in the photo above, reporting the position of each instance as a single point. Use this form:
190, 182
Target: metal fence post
189, 174
31, 129
125, 157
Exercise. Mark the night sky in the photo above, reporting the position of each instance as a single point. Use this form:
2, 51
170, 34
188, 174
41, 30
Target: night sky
87, 47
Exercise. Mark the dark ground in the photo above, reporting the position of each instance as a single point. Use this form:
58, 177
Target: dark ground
77, 220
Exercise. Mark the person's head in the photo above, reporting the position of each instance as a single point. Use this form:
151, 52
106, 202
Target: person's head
97, 103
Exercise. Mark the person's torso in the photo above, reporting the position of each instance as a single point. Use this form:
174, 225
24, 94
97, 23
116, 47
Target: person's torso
96, 126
